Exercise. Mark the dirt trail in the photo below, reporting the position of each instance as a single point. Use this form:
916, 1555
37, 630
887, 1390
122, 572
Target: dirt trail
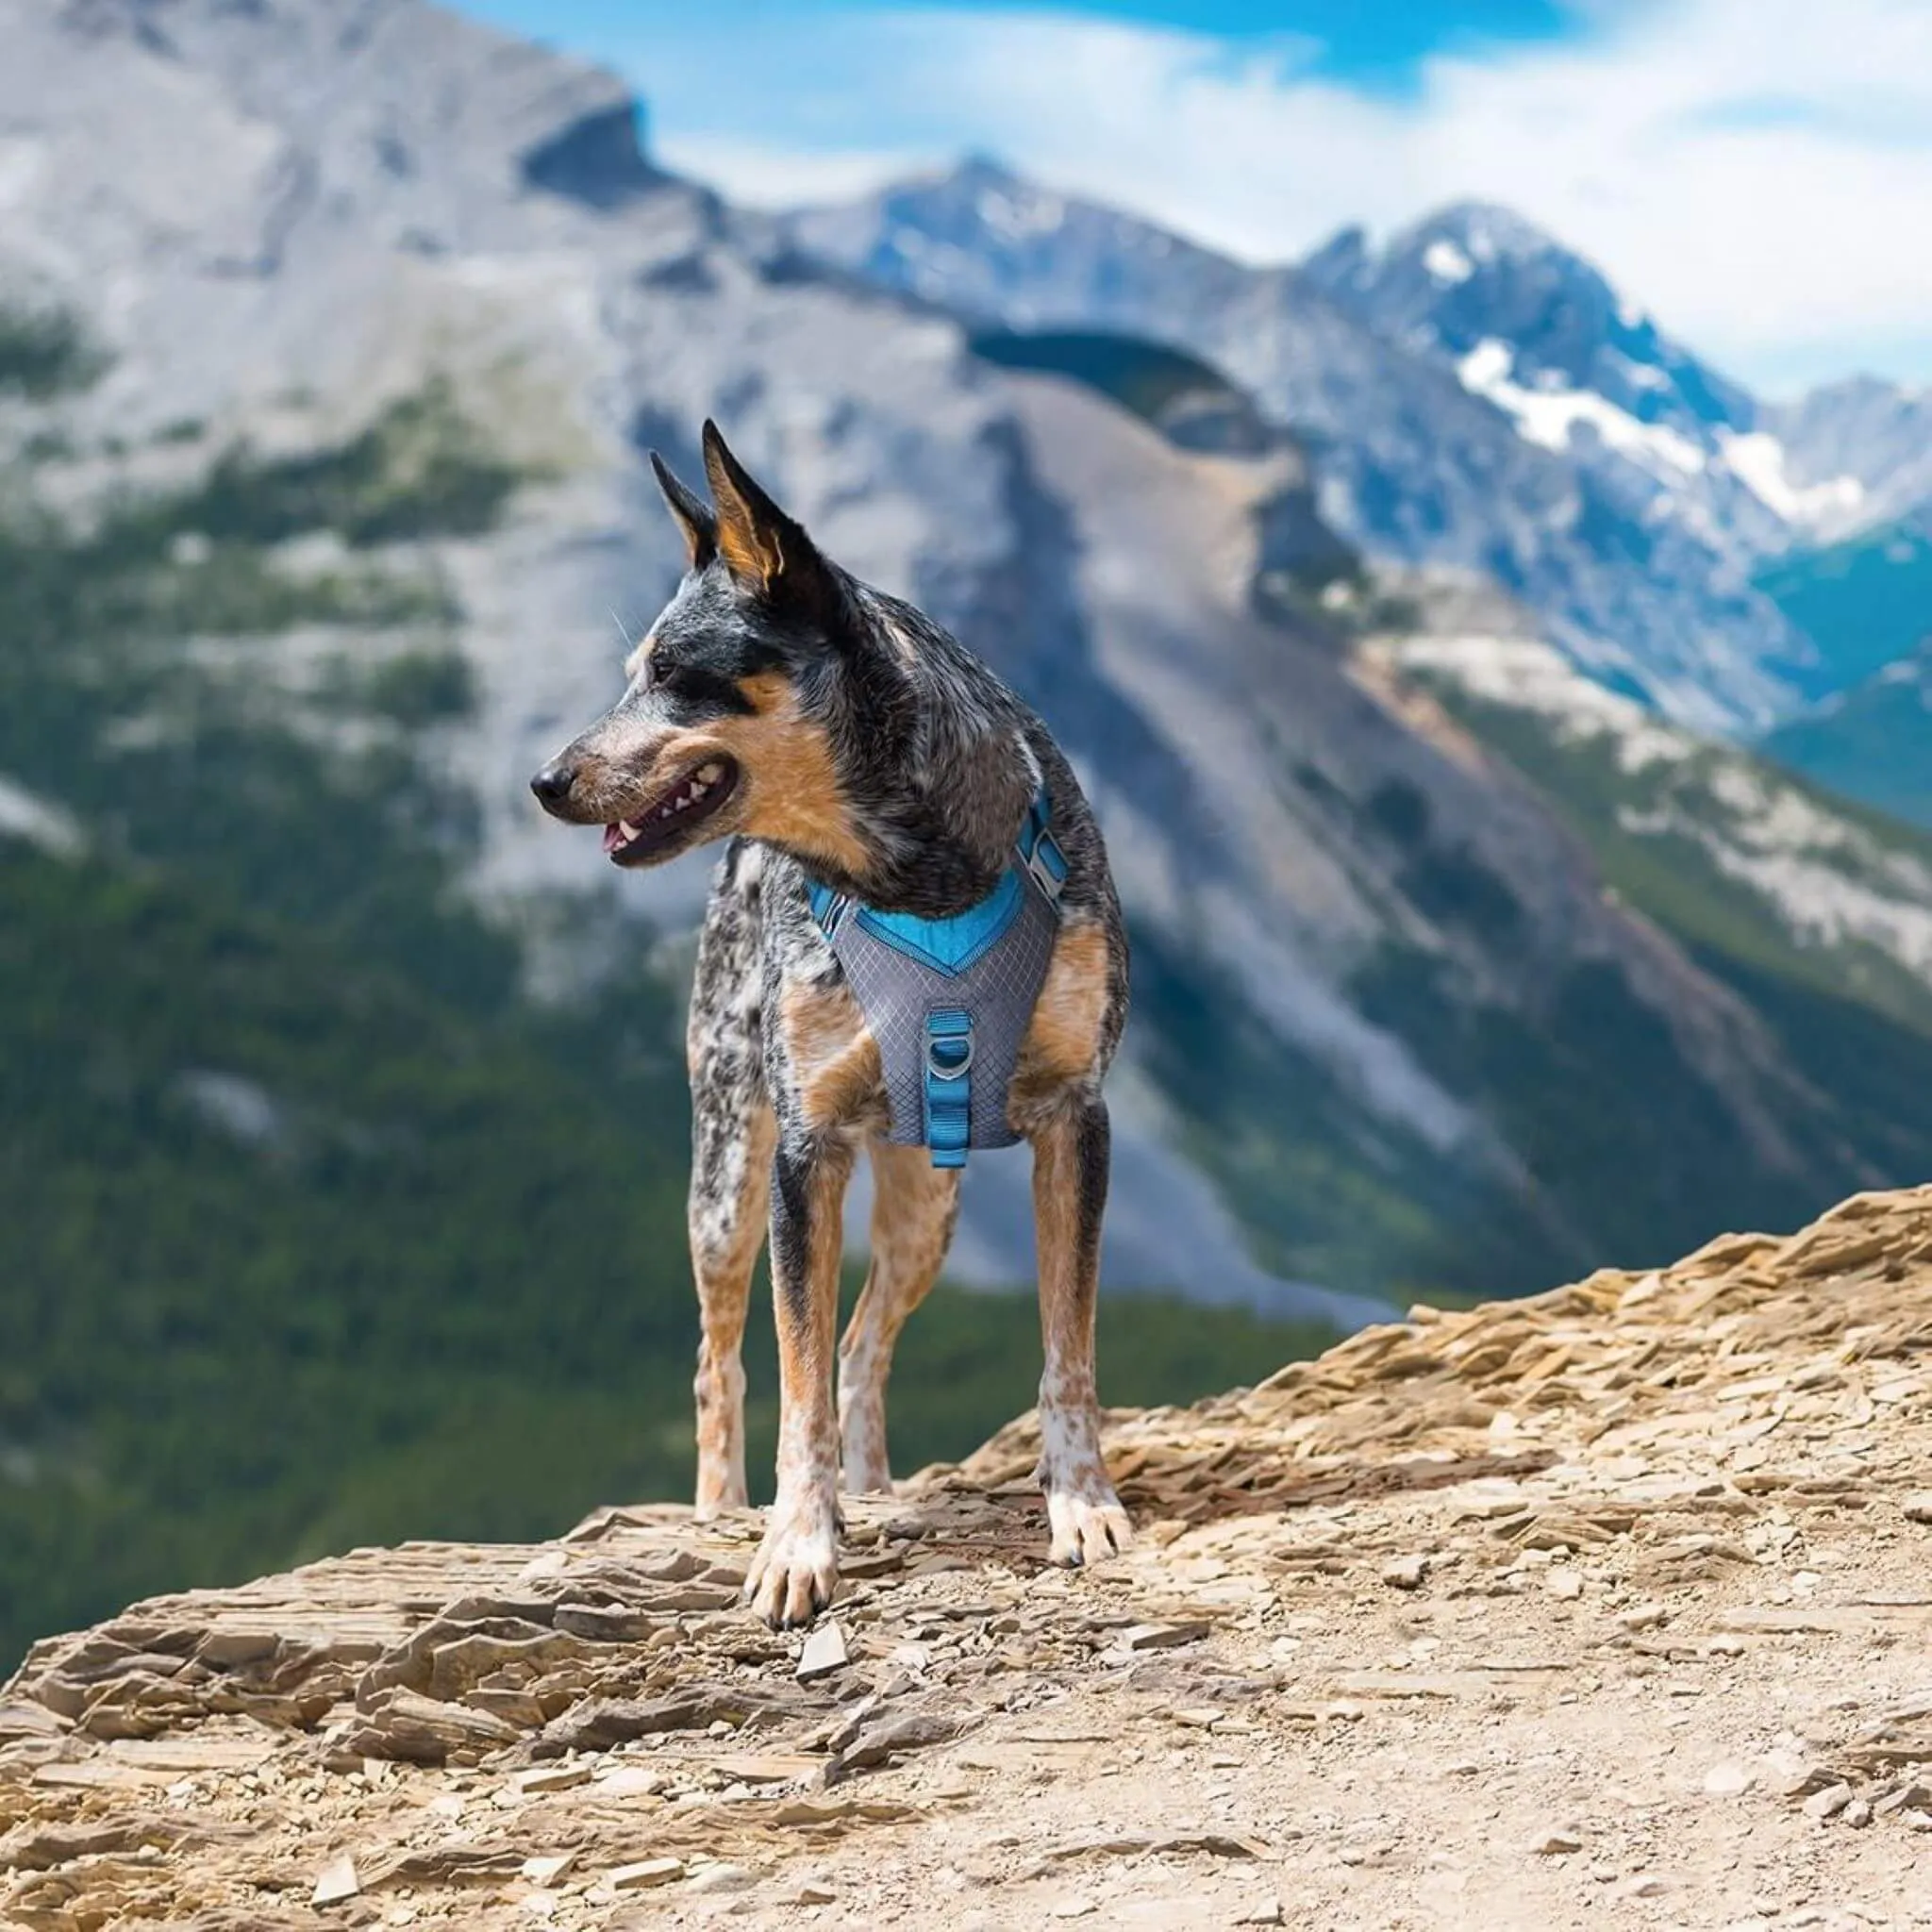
1608, 1608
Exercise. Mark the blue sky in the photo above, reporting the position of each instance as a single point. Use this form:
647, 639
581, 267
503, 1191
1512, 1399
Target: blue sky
1755, 172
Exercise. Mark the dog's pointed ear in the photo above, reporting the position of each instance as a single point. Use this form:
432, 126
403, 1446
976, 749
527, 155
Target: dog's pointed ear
761, 546
692, 512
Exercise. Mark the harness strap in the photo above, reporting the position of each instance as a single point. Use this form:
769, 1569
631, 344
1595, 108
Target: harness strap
948, 1085
1041, 856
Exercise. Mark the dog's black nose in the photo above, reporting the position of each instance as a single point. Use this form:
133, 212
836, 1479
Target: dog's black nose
552, 784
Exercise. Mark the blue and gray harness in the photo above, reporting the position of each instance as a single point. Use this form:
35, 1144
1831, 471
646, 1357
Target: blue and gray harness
949, 1000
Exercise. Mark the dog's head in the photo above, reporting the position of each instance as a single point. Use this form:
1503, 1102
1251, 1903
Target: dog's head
723, 727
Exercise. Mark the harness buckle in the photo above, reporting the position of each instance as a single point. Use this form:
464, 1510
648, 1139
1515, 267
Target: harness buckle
1047, 866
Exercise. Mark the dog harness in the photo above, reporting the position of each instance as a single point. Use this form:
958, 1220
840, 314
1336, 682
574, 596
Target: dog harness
949, 1000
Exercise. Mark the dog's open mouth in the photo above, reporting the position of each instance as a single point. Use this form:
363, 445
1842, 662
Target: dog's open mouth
670, 815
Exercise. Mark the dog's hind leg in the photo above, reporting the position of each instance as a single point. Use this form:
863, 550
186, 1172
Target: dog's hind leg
1069, 1170
732, 1137
915, 1206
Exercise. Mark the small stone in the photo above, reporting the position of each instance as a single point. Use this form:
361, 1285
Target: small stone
336, 1882
723, 1878
1566, 1583
646, 1873
1916, 1821
1917, 1506
1642, 1616
814, 1891
553, 1777
1406, 1572
1727, 1781
1162, 1636
1267, 1913
1858, 1812
1554, 1844
824, 1652
1829, 1802
1646, 1886
1076, 1907
632, 1781
547, 1870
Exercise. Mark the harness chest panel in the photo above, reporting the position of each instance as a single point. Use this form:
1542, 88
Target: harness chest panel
949, 1000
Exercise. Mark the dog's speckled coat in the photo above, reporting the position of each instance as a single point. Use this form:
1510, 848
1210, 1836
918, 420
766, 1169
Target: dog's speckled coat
835, 734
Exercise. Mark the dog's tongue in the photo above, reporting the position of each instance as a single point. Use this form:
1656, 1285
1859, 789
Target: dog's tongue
613, 838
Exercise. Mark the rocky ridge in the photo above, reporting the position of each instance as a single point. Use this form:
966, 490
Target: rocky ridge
1614, 1601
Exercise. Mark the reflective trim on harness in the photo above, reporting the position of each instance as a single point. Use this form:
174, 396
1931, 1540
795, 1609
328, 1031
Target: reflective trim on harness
948, 1085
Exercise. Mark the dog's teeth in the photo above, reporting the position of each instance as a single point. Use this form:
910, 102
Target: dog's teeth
630, 830
711, 773
682, 802
698, 789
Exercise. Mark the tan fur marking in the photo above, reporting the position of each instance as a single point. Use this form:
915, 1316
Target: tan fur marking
788, 789
835, 1069
1064, 1036
913, 1209
790, 775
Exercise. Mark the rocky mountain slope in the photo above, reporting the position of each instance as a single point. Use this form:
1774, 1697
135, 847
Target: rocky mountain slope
1611, 1602
1480, 398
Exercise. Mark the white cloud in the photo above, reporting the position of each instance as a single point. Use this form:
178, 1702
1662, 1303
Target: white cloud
1757, 172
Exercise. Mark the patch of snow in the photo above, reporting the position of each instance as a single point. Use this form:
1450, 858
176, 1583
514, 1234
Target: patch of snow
1446, 262
1758, 462
1628, 313
1547, 417
25, 816
1019, 216
1528, 674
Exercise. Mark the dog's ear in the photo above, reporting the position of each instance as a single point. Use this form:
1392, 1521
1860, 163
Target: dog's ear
762, 547
693, 515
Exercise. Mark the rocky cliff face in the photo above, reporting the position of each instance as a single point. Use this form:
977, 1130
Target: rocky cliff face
1614, 1594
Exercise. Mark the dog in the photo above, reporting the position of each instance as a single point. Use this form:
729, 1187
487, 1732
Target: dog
866, 768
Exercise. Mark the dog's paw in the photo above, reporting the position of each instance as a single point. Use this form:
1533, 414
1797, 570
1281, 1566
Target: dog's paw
1089, 1526
792, 1577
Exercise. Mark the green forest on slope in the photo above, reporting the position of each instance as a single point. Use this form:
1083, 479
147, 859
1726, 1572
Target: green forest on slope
1627, 1122
1867, 603
313, 1229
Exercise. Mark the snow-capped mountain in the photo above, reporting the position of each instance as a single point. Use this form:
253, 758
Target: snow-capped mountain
1878, 434
1540, 332
1478, 397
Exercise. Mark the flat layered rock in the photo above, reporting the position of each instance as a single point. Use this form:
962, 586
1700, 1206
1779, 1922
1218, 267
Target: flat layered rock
1539, 1604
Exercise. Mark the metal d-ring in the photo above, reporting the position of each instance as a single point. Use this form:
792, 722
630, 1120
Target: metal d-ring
941, 1070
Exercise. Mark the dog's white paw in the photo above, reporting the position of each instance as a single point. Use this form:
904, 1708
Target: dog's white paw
1088, 1524
796, 1569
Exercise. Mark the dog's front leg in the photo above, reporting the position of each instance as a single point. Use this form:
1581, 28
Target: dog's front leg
1070, 1152
797, 1565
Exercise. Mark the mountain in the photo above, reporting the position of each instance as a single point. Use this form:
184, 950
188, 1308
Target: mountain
1815, 914
335, 337
1474, 397
1868, 602
1869, 743
1875, 433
